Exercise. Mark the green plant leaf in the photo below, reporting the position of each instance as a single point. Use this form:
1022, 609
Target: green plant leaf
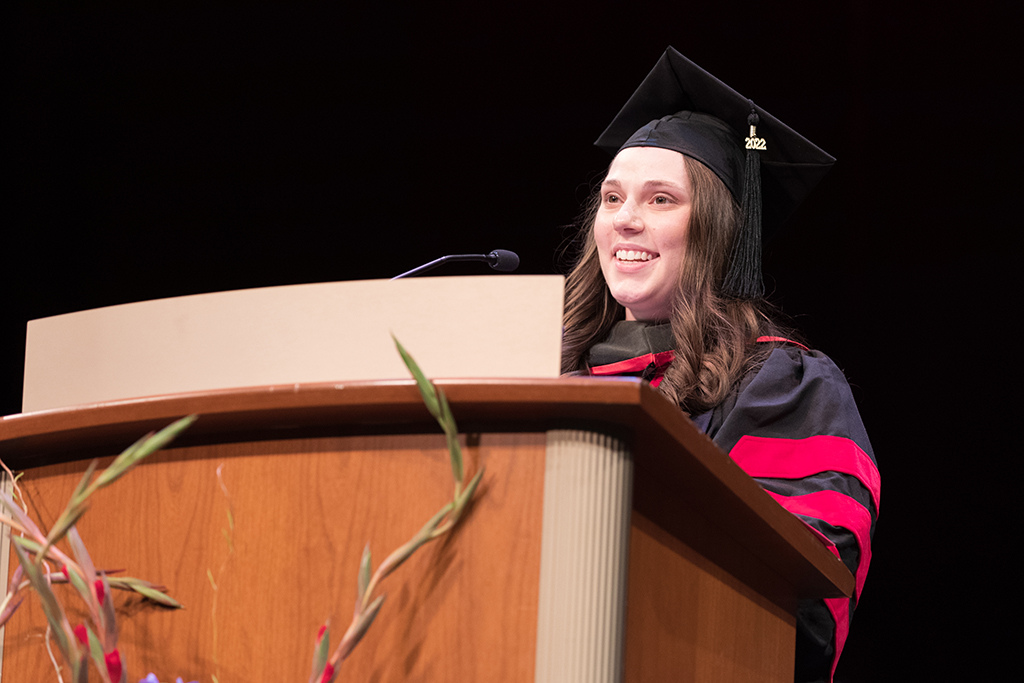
462, 499
81, 555
83, 484
320, 653
68, 519
425, 386
30, 545
121, 463
80, 585
451, 432
139, 450
109, 621
437, 405
369, 615
19, 515
51, 608
160, 597
365, 620
80, 667
471, 489
404, 552
96, 652
364, 574
9, 610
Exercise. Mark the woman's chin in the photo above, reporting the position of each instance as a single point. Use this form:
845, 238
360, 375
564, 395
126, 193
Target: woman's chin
640, 310
643, 317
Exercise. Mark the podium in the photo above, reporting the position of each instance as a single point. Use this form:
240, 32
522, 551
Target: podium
609, 540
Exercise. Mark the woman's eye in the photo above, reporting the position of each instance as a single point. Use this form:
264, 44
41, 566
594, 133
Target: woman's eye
661, 200
611, 199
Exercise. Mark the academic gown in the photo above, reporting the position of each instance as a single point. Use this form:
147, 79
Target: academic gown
793, 426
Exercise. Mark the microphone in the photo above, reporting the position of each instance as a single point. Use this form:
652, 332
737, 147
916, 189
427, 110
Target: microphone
502, 260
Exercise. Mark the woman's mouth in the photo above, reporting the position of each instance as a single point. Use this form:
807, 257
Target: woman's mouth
633, 256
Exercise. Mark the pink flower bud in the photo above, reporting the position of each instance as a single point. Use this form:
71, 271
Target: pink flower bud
113, 660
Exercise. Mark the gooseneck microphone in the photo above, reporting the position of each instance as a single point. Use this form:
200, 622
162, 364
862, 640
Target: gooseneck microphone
502, 260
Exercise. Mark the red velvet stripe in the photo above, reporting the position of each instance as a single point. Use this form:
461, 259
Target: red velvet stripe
638, 364
825, 541
838, 510
782, 340
840, 609
798, 458
762, 456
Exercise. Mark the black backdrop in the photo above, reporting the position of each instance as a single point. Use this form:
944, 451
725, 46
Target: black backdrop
169, 148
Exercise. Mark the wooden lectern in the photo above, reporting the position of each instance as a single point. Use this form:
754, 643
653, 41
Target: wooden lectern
609, 540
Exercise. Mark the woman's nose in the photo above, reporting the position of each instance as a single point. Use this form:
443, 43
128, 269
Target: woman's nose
627, 218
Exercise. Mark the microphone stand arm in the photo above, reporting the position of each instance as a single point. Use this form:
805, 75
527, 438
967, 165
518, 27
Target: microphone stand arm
444, 259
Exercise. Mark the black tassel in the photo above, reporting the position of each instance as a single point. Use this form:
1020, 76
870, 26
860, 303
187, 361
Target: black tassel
743, 279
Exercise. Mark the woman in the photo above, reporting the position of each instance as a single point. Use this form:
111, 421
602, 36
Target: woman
667, 286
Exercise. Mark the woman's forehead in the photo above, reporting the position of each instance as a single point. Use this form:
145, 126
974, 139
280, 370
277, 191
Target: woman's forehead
648, 163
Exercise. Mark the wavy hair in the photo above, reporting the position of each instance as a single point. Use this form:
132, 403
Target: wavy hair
714, 335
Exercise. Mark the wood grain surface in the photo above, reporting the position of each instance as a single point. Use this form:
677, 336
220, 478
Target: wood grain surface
314, 472
668, 448
688, 620
303, 511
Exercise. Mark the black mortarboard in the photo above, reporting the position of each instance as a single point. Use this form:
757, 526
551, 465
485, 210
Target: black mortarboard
682, 107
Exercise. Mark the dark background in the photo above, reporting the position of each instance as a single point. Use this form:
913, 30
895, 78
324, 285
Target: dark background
170, 148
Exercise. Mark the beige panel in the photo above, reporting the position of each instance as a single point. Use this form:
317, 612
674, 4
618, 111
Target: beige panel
580, 623
5, 559
470, 327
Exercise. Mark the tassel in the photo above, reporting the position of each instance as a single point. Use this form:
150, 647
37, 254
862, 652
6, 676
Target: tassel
743, 280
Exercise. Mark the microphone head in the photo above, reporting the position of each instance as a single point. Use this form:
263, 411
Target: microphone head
503, 260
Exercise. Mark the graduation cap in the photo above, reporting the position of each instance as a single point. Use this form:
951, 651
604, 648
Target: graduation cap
767, 166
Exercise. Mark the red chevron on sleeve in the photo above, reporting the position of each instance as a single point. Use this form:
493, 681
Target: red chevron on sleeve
761, 456
840, 610
799, 458
838, 510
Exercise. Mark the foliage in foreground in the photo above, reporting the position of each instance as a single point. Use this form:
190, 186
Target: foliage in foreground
325, 664
96, 637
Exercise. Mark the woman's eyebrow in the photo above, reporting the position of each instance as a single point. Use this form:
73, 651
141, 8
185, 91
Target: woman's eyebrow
663, 183
612, 182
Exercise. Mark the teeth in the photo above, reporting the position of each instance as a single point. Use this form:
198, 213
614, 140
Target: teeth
630, 255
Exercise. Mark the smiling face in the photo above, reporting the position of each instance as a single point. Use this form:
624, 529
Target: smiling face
641, 227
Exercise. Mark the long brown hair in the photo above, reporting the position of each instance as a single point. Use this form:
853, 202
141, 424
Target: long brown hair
714, 335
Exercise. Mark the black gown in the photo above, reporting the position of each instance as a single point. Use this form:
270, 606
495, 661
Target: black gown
793, 426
